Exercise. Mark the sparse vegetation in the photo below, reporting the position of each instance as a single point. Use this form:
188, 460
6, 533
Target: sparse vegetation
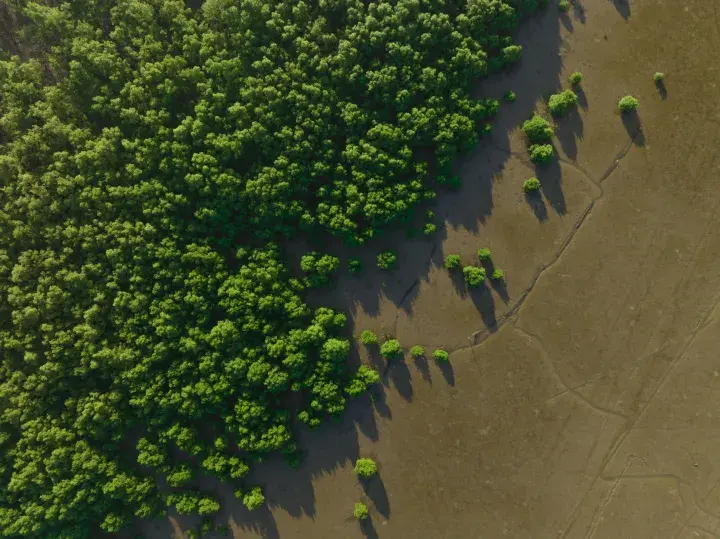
417, 351
628, 103
365, 468
452, 262
368, 338
361, 511
575, 78
509, 96
659, 77
562, 103
354, 265
531, 185
541, 154
441, 355
391, 349
386, 260
484, 254
474, 276
537, 130
497, 275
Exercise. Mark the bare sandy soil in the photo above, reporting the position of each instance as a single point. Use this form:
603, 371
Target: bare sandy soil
582, 401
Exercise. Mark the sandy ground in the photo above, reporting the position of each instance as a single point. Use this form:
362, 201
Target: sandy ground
582, 401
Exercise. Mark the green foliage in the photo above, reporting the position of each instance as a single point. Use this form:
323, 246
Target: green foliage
391, 349
484, 254
562, 103
368, 338
531, 185
537, 130
452, 261
659, 77
497, 275
417, 351
364, 378
441, 355
319, 268
354, 265
206, 526
575, 78
509, 96
474, 276
365, 468
386, 260
511, 54
628, 103
361, 511
153, 158
253, 498
429, 229
541, 154
563, 6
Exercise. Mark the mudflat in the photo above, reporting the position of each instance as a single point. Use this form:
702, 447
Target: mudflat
582, 400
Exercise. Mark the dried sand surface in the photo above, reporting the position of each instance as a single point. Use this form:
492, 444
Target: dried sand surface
583, 401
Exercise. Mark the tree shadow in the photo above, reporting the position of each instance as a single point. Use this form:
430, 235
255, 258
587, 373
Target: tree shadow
661, 88
375, 490
537, 205
578, 11
550, 176
633, 126
399, 374
566, 21
422, 365
582, 97
368, 528
485, 305
499, 285
623, 8
568, 130
447, 371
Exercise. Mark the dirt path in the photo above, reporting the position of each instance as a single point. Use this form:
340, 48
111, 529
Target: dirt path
583, 401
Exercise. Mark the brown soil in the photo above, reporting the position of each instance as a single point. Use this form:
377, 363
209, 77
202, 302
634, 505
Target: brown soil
583, 400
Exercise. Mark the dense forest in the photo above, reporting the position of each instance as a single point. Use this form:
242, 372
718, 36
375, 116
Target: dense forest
153, 160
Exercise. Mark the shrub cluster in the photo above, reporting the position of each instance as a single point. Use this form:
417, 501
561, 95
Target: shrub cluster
474, 276
531, 185
562, 103
541, 154
628, 103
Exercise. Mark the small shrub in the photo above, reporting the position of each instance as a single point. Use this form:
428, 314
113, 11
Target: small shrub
511, 54
541, 154
659, 77
391, 349
531, 185
417, 351
206, 526
368, 338
563, 6
365, 468
192, 534
509, 96
253, 499
429, 228
497, 275
560, 104
430, 215
354, 265
441, 355
361, 511
575, 78
474, 276
628, 103
386, 260
537, 129
484, 254
452, 261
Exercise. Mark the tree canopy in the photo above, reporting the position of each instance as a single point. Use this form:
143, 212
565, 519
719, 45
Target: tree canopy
153, 161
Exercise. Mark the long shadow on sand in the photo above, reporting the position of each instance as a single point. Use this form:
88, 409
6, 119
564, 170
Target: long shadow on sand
336, 444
